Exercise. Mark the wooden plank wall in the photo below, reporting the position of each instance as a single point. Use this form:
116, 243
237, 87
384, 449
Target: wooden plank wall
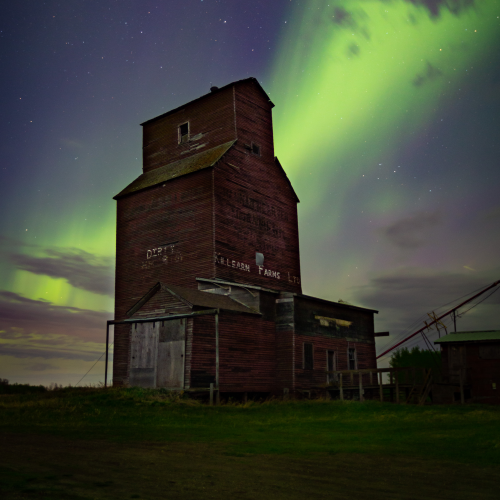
247, 353
255, 208
176, 218
211, 122
203, 352
307, 379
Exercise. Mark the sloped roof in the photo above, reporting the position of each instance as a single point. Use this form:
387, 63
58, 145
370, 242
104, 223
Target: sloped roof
469, 337
212, 92
277, 162
177, 168
207, 299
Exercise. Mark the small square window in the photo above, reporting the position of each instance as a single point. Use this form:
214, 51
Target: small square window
308, 356
183, 133
255, 149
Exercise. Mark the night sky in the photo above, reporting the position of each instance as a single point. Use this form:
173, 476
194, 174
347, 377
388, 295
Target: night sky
387, 122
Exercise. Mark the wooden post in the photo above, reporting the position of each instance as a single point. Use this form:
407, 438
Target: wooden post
217, 353
341, 389
462, 399
352, 378
217, 397
371, 378
361, 398
245, 397
380, 387
397, 387
211, 394
106, 361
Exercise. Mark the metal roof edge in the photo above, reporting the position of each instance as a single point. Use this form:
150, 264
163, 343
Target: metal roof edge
336, 303
124, 192
470, 336
234, 283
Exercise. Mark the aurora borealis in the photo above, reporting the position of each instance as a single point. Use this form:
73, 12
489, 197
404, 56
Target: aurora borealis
386, 122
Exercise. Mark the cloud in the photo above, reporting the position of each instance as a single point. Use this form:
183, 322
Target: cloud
79, 268
434, 6
410, 232
492, 214
432, 73
404, 297
22, 316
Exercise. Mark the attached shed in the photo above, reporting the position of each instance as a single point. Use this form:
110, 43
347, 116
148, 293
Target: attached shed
473, 360
244, 338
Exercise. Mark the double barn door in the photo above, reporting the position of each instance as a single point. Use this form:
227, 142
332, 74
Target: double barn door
157, 354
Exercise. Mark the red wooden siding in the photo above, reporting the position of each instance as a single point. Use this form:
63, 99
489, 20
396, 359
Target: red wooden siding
247, 353
308, 379
203, 352
211, 122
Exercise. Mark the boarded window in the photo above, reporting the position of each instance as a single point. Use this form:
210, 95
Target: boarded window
255, 149
308, 356
183, 133
352, 359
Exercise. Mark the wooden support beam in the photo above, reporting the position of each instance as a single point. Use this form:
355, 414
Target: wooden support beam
361, 398
341, 388
211, 394
462, 399
381, 389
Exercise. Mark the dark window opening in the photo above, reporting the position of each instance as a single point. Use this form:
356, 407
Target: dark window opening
255, 149
183, 133
308, 356
331, 366
352, 359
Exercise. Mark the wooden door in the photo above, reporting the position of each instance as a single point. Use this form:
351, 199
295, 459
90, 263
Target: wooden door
456, 363
171, 354
143, 354
331, 366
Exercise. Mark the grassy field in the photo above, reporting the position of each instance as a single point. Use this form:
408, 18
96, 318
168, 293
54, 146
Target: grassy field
133, 443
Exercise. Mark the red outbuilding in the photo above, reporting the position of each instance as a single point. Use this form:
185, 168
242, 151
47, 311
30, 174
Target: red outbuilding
471, 367
208, 283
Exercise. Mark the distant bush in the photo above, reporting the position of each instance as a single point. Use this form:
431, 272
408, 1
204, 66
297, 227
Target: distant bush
419, 358
6, 388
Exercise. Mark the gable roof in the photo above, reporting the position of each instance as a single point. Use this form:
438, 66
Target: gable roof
177, 168
193, 298
469, 337
212, 92
277, 162
198, 298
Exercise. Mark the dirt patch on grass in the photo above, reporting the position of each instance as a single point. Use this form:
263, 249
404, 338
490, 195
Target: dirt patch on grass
43, 467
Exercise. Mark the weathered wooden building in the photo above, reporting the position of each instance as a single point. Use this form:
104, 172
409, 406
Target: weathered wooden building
208, 284
471, 365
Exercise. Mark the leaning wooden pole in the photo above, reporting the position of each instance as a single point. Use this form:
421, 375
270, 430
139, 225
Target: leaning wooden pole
440, 317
